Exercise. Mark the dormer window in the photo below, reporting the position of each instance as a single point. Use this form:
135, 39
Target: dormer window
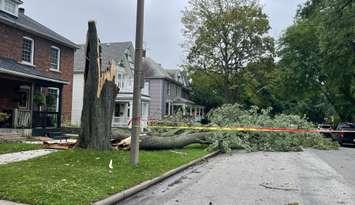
10, 6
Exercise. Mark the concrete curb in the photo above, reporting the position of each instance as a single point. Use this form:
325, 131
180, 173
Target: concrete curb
140, 187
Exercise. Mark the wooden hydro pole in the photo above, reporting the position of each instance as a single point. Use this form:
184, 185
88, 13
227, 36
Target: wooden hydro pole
138, 78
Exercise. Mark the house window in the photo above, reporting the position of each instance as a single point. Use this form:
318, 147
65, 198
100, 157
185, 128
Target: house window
128, 109
120, 81
27, 50
53, 100
167, 108
169, 89
24, 94
117, 110
10, 6
178, 92
55, 58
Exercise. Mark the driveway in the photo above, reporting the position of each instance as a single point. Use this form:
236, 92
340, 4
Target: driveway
309, 177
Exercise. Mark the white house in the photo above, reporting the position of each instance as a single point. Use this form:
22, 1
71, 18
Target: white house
123, 54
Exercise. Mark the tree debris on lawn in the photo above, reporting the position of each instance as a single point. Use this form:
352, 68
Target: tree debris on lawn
59, 145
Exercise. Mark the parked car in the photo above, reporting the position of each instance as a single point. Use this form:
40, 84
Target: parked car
325, 129
345, 133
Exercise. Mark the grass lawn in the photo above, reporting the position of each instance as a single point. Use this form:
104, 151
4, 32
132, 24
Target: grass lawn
81, 176
9, 147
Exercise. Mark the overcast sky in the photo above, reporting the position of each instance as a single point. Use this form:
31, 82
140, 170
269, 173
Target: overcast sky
116, 21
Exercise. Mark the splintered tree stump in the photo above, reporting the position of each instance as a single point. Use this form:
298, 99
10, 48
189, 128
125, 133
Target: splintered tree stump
100, 92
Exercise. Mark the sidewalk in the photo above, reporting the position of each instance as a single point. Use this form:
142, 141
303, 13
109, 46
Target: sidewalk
21, 156
2, 202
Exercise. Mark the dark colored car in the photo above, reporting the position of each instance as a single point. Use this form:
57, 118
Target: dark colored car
345, 133
325, 129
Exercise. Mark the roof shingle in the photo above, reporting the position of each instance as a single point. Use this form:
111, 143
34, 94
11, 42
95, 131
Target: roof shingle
110, 51
26, 23
10, 66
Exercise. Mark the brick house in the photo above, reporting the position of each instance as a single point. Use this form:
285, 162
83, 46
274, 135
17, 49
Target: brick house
36, 72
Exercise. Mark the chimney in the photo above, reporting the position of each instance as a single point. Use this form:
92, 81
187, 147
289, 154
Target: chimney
21, 10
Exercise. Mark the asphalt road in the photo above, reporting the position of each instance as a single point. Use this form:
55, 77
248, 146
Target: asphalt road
309, 177
342, 161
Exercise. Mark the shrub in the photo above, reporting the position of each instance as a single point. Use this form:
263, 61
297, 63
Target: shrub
4, 116
172, 120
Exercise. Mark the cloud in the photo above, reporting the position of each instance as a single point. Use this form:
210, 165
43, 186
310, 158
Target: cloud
116, 21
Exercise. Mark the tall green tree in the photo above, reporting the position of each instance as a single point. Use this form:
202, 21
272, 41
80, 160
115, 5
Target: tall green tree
223, 38
317, 61
205, 89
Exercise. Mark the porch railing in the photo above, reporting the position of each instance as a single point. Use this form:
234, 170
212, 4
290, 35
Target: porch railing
21, 118
126, 122
46, 119
126, 85
120, 121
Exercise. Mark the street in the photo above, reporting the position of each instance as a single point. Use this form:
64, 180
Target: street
309, 177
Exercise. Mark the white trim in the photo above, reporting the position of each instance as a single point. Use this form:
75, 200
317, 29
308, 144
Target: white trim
32, 51
3, 70
27, 63
57, 100
58, 60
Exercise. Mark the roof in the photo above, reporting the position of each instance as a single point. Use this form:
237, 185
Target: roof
26, 23
110, 51
10, 66
154, 70
172, 72
183, 101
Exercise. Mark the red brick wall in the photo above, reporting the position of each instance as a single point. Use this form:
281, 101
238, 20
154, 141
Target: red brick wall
11, 47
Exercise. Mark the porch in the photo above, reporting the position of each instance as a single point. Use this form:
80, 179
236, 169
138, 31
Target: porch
123, 114
186, 107
29, 106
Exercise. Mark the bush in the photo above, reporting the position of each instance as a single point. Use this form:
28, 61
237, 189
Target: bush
235, 115
4, 116
172, 120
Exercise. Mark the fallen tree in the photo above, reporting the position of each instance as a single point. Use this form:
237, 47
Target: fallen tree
148, 142
174, 142
230, 116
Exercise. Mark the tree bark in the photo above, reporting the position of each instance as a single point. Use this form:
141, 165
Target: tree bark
175, 142
100, 92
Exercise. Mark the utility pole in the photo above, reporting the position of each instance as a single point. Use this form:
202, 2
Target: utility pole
137, 105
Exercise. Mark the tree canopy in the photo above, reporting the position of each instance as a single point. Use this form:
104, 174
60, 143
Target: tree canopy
231, 57
224, 37
317, 60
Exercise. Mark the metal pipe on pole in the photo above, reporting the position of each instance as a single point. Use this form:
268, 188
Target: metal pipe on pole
137, 105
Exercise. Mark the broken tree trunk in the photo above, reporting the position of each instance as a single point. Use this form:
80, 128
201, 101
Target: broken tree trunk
100, 92
174, 142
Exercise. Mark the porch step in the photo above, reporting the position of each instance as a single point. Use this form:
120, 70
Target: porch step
56, 135
10, 131
11, 136
6, 133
